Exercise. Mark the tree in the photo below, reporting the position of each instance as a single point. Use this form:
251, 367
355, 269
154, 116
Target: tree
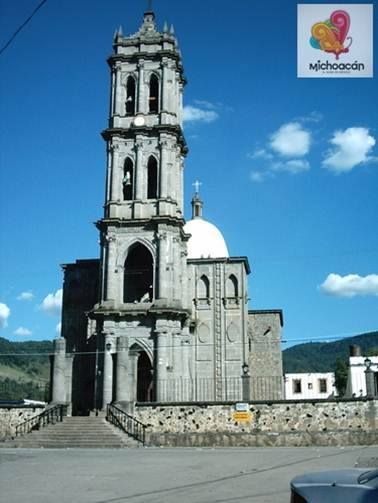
341, 376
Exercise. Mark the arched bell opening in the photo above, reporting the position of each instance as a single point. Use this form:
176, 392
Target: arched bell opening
152, 178
138, 276
128, 179
153, 99
232, 286
130, 96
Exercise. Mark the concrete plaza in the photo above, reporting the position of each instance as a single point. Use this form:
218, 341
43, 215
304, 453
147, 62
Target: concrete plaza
165, 475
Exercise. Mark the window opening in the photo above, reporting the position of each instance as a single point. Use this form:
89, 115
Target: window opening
130, 96
232, 286
203, 289
153, 101
127, 182
323, 385
297, 386
152, 178
138, 278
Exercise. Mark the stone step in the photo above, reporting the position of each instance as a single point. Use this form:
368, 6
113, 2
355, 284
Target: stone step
75, 433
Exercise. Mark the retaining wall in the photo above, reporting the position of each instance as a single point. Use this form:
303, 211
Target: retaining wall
10, 417
310, 422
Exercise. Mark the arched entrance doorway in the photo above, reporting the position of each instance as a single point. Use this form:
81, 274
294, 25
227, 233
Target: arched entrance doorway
144, 378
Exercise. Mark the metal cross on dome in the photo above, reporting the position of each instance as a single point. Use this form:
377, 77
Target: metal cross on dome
149, 5
196, 186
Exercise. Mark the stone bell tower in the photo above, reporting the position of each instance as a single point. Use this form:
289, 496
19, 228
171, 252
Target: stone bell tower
143, 294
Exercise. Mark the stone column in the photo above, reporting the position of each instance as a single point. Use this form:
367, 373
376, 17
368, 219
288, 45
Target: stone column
177, 271
110, 267
133, 375
107, 389
117, 98
163, 169
112, 91
369, 378
109, 161
164, 84
59, 373
180, 196
142, 105
187, 383
139, 172
114, 182
123, 384
184, 277
180, 105
161, 366
68, 381
162, 286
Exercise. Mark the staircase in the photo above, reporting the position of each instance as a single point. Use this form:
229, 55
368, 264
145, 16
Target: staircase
77, 432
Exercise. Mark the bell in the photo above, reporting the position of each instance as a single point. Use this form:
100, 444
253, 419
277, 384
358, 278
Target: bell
127, 178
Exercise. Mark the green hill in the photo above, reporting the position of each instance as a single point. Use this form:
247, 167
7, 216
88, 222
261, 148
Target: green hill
25, 366
322, 356
24, 369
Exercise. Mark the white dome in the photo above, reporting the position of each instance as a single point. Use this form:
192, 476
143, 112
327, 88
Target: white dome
206, 240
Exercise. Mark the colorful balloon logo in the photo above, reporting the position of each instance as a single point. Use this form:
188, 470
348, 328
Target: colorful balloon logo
330, 35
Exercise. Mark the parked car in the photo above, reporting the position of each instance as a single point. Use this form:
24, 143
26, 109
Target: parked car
358, 485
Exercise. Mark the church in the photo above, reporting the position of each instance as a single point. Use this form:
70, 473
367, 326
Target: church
163, 314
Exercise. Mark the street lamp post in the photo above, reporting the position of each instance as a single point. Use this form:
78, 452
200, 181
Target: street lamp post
246, 382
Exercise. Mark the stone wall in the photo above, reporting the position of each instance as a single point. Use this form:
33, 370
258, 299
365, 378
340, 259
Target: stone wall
265, 356
311, 422
10, 417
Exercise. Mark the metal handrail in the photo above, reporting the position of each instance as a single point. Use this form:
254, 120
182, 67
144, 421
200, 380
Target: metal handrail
52, 415
127, 423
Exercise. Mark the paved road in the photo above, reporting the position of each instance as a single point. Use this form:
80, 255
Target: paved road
164, 475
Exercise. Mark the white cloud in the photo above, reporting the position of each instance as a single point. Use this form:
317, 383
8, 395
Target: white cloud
58, 328
291, 140
23, 332
351, 148
260, 153
258, 176
4, 315
205, 104
52, 303
311, 117
26, 296
293, 166
196, 114
350, 285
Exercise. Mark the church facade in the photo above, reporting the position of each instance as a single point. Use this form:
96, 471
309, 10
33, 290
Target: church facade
163, 314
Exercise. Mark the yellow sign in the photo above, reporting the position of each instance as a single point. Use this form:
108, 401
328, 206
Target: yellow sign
242, 416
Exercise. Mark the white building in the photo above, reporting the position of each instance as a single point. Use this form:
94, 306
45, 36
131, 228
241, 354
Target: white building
356, 385
301, 386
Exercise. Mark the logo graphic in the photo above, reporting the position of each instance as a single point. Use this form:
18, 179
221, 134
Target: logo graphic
325, 47
331, 35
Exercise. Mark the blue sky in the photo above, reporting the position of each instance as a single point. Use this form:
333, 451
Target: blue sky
288, 166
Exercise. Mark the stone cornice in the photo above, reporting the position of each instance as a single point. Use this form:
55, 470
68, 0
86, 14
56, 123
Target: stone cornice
268, 311
104, 223
131, 132
135, 310
227, 260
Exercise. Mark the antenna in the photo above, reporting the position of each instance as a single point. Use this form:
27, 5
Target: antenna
149, 5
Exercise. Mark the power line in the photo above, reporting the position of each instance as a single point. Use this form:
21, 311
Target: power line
210, 344
21, 27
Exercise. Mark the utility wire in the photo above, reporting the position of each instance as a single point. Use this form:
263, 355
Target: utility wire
22, 26
256, 343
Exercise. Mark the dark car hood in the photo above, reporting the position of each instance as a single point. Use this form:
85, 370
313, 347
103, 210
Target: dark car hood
352, 477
